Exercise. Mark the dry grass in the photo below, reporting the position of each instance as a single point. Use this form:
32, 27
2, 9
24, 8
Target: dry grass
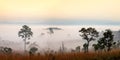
112, 55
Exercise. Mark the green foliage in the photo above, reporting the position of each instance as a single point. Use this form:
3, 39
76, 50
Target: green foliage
89, 34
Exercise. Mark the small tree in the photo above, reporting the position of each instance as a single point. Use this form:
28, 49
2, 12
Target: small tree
85, 47
89, 34
96, 47
25, 33
7, 50
33, 50
118, 44
108, 37
106, 42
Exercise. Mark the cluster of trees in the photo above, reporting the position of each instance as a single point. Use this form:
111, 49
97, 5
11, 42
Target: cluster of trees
105, 43
5, 50
89, 34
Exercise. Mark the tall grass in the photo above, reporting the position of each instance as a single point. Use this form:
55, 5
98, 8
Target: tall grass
112, 55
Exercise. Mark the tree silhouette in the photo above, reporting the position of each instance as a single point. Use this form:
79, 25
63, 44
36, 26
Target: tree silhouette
118, 44
89, 34
25, 33
106, 42
100, 45
85, 47
96, 47
7, 50
33, 50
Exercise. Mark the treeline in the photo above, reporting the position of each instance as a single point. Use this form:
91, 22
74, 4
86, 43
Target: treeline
105, 43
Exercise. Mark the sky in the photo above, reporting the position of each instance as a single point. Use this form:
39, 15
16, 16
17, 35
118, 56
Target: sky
67, 11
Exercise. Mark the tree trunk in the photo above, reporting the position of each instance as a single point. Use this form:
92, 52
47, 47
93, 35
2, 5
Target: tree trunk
87, 47
25, 45
108, 49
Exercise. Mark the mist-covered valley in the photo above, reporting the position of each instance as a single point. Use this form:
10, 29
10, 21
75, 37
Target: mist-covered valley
43, 39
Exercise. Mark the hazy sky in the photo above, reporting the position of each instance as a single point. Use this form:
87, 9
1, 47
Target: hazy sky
44, 10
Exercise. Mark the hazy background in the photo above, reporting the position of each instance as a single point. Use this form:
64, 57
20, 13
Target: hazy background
69, 35
70, 15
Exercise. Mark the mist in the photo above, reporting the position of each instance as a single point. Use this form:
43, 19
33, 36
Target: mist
69, 35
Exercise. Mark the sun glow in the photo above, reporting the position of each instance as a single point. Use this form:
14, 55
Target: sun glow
91, 9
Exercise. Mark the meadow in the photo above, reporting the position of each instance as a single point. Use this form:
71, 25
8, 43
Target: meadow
111, 55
